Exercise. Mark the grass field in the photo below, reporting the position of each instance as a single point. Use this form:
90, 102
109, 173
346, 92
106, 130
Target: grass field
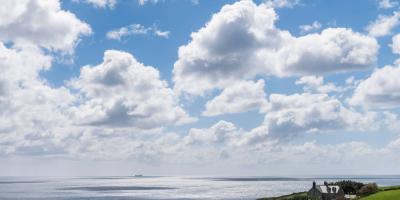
384, 195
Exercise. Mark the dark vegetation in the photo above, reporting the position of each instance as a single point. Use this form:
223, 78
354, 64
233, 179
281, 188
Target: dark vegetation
367, 189
294, 196
348, 186
357, 188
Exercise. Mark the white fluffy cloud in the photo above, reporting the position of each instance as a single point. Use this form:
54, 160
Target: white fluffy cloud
310, 27
142, 2
386, 4
380, 90
112, 3
316, 84
136, 29
241, 41
38, 119
392, 121
395, 144
396, 44
221, 143
122, 102
282, 3
288, 116
123, 92
237, 98
223, 132
114, 103
383, 25
41, 23
100, 3
32, 113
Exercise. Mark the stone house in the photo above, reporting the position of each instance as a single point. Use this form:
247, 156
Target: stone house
325, 192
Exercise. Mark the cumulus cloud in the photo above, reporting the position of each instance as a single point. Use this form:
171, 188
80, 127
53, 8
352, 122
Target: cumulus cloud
241, 41
118, 102
282, 3
136, 29
392, 121
123, 92
396, 44
380, 90
316, 84
142, 2
223, 142
100, 3
122, 102
38, 119
147, 146
290, 115
32, 113
112, 3
307, 28
386, 4
384, 25
237, 98
222, 132
42, 23
163, 34
395, 144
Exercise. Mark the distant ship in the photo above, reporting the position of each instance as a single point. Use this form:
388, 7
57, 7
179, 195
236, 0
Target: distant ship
138, 175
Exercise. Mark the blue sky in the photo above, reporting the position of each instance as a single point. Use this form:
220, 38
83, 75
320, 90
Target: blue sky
190, 86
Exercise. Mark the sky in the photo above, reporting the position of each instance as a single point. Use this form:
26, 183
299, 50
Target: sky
195, 87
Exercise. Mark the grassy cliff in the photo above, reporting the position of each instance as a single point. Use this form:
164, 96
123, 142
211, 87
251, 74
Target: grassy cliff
385, 193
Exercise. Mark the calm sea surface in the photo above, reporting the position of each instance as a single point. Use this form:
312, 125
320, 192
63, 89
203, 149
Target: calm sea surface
146, 188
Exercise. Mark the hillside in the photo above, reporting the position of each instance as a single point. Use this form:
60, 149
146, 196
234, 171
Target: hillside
385, 193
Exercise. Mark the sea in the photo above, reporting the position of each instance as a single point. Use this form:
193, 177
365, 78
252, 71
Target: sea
166, 187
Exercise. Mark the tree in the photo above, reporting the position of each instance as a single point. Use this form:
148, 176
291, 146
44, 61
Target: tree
348, 186
367, 189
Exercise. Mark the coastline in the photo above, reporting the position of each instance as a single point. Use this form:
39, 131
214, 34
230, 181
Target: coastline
384, 193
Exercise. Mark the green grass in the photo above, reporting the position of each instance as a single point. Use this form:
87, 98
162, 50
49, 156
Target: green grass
294, 196
393, 194
387, 188
385, 193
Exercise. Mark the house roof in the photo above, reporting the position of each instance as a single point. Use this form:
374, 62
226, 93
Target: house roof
324, 188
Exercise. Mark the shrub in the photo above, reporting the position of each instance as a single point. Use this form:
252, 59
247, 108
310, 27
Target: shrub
368, 189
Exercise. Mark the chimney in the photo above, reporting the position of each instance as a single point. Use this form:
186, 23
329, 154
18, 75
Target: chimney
334, 190
314, 185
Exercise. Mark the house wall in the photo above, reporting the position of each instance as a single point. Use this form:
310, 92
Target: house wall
314, 194
332, 197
